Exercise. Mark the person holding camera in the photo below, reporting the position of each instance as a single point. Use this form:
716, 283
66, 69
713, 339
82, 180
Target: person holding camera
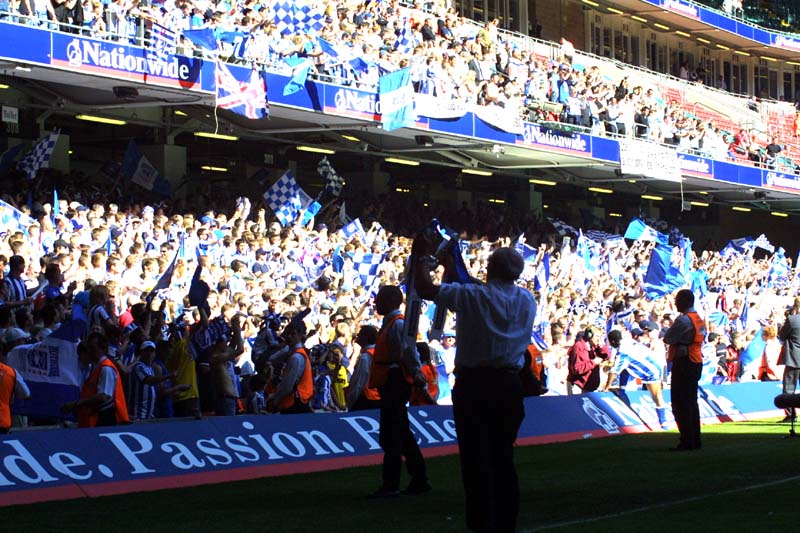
494, 321
789, 334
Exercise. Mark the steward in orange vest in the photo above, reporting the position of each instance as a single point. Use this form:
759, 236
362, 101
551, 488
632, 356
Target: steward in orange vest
429, 394
102, 399
296, 386
359, 395
11, 386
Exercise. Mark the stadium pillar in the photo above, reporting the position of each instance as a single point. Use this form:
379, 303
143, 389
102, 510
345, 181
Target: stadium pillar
60, 158
170, 161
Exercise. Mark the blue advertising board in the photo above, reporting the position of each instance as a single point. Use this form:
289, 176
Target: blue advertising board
61, 464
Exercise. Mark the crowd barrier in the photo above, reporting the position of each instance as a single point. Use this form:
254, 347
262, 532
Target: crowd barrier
63, 464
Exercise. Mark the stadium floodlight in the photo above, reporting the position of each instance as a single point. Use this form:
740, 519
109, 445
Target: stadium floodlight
741, 53
398, 161
496, 201
661, 26
476, 172
682, 33
600, 190
180, 113
699, 204
742, 209
652, 197
4, 86
704, 41
722, 46
214, 169
101, 120
549, 183
795, 63
767, 58
778, 214
402, 189
315, 149
639, 19
219, 136
351, 138
590, 3
615, 215
615, 10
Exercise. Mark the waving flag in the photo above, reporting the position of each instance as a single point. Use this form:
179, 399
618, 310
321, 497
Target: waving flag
741, 245
754, 350
163, 40
286, 199
778, 276
668, 267
40, 155
327, 47
300, 68
367, 268
639, 231
333, 182
585, 253
396, 96
405, 40
246, 98
11, 217
165, 280
295, 17
542, 273
527, 252
562, 228
763, 243
203, 38
137, 168
51, 368
353, 229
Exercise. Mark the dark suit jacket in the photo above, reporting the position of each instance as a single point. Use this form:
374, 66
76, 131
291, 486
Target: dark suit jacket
790, 335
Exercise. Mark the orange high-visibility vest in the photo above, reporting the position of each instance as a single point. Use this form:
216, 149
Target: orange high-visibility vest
696, 346
381, 359
8, 378
432, 377
305, 387
87, 416
371, 393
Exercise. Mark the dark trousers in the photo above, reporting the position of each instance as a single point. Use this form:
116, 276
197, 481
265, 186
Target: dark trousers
488, 409
685, 376
107, 417
186, 408
297, 408
396, 438
363, 404
790, 377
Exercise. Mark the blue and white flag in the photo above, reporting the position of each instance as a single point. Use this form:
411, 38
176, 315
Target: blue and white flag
639, 231
287, 199
165, 280
51, 368
396, 97
585, 253
778, 275
296, 17
668, 267
562, 228
333, 182
754, 350
527, 252
741, 245
137, 168
353, 229
56, 204
542, 278
203, 38
405, 40
367, 268
609, 239
163, 40
327, 47
247, 98
11, 217
762, 242
300, 68
40, 155
310, 211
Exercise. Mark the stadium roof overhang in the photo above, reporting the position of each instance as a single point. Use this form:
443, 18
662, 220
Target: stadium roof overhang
673, 21
58, 96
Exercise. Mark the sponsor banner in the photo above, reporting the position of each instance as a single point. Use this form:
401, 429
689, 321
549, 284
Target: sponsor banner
781, 181
785, 42
30, 45
502, 118
129, 62
537, 136
648, 159
683, 8
352, 103
426, 105
699, 167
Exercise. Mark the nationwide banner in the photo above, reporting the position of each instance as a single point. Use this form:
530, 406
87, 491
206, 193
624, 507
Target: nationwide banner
62, 464
641, 158
396, 97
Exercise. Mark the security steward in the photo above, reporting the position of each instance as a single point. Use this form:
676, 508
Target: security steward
685, 339
102, 399
296, 386
395, 370
493, 329
359, 395
12, 387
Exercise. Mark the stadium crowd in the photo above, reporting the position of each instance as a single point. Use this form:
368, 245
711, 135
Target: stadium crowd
451, 57
210, 336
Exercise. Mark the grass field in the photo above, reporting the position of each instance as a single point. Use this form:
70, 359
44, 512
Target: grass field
744, 479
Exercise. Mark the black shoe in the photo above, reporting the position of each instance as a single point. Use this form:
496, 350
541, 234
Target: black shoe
382, 493
789, 418
682, 448
417, 488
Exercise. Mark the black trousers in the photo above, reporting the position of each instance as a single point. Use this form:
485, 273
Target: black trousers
488, 409
790, 377
685, 376
396, 438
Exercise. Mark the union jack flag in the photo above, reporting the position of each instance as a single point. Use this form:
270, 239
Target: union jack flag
247, 98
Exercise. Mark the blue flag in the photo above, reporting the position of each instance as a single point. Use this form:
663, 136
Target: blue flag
639, 231
396, 96
138, 169
527, 252
203, 38
667, 270
542, 278
300, 67
56, 206
327, 47
754, 350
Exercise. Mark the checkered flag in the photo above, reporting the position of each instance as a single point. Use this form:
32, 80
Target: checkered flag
367, 268
297, 17
405, 39
39, 156
287, 199
763, 243
333, 182
562, 228
163, 41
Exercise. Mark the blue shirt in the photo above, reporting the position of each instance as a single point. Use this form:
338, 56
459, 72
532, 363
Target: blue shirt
493, 322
